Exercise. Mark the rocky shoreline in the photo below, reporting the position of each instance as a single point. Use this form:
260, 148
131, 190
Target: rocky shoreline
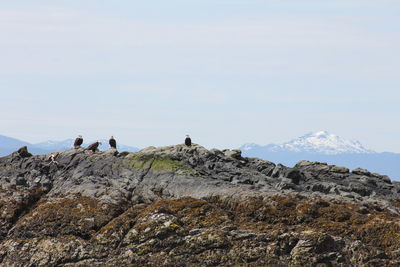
189, 206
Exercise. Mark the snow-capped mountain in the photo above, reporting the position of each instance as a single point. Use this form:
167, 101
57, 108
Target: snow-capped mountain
326, 147
320, 142
323, 142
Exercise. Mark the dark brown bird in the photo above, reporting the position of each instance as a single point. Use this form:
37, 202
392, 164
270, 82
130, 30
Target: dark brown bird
188, 141
93, 147
23, 152
112, 142
78, 141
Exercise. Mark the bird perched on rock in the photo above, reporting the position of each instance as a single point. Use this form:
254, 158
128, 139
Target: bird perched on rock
94, 147
188, 141
78, 142
112, 142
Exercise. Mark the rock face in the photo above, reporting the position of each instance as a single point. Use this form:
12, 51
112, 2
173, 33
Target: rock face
189, 206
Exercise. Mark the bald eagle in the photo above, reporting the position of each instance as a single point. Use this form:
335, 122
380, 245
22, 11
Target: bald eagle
93, 147
78, 141
112, 142
188, 141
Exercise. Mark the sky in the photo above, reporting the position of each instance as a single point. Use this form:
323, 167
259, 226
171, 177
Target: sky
225, 72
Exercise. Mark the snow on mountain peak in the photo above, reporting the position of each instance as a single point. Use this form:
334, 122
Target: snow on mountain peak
322, 142
248, 146
321, 133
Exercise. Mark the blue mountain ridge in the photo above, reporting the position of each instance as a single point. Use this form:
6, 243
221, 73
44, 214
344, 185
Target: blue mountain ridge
8, 145
386, 163
383, 163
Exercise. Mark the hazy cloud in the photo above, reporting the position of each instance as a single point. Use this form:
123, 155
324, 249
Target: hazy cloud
250, 70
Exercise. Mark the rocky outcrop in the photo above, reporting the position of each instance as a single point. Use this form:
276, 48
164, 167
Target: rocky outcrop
189, 206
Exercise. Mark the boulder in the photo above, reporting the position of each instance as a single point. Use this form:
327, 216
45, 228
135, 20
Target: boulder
339, 169
235, 153
23, 152
360, 171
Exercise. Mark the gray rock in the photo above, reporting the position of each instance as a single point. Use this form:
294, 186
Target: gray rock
360, 171
339, 169
168, 206
236, 153
177, 171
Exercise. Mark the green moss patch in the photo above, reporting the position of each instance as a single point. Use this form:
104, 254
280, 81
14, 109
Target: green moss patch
169, 165
6, 168
157, 163
138, 162
339, 169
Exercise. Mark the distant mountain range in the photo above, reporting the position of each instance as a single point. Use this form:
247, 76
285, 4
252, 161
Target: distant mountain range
9, 145
319, 146
320, 142
67, 144
326, 147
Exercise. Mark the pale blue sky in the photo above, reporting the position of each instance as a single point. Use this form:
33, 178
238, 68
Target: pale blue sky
227, 72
